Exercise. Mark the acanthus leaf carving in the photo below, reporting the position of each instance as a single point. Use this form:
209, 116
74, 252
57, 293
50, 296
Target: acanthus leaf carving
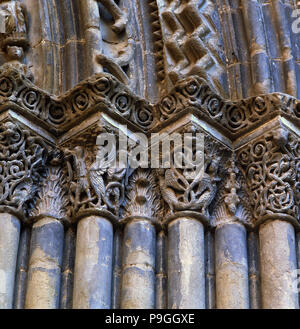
52, 196
142, 198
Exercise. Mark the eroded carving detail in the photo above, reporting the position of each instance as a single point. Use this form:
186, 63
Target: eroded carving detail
185, 192
142, 198
22, 167
231, 202
13, 40
52, 195
269, 166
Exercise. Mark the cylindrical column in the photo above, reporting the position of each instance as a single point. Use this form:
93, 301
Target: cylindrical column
138, 280
254, 272
9, 243
117, 270
278, 265
232, 286
93, 264
161, 271
67, 276
46, 250
186, 264
22, 268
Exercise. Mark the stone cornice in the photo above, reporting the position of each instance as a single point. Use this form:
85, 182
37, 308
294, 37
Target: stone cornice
104, 93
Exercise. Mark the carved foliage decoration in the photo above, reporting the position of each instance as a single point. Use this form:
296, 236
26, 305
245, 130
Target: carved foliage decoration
182, 191
52, 196
22, 166
270, 171
142, 198
96, 180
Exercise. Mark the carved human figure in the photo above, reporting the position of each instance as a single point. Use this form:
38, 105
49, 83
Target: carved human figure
14, 39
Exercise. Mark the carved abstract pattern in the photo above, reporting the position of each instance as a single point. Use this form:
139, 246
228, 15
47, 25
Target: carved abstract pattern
22, 166
192, 41
270, 171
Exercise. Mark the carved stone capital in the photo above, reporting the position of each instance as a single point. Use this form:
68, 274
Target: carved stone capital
52, 195
270, 167
22, 168
142, 198
193, 188
231, 203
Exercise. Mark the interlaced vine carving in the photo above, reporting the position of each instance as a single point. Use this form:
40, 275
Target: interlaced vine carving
270, 171
22, 167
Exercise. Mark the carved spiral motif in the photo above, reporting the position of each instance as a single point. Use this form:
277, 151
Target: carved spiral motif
57, 112
123, 104
81, 101
260, 105
168, 105
191, 89
236, 116
297, 110
30, 98
101, 86
6, 87
144, 116
214, 106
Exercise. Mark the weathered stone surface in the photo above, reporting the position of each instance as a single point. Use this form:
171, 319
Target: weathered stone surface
186, 261
9, 244
44, 274
232, 287
278, 262
93, 264
138, 277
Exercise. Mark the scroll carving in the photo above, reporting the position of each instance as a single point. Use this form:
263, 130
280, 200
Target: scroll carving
22, 167
270, 169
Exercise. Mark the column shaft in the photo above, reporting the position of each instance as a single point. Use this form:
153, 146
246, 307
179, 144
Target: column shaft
9, 243
138, 280
232, 286
46, 249
93, 264
278, 265
186, 264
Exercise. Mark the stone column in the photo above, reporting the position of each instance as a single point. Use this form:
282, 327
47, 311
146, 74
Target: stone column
186, 264
139, 242
232, 287
161, 271
278, 263
138, 279
45, 261
93, 264
9, 244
